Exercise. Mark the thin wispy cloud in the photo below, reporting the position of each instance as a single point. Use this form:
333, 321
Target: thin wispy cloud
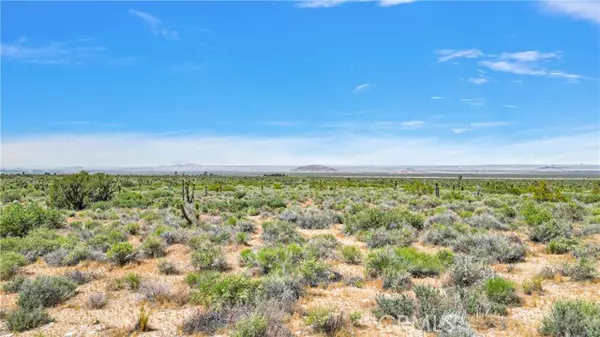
361, 88
510, 106
479, 125
376, 126
334, 3
156, 25
436, 97
412, 124
187, 67
582, 10
445, 55
282, 123
530, 62
478, 80
473, 101
75, 52
388, 3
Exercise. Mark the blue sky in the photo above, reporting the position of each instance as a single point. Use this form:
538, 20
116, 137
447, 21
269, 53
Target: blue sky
108, 84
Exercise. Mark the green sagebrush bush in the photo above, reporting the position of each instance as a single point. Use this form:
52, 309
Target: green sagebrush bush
209, 257
325, 320
572, 318
77, 191
18, 220
549, 230
10, 263
351, 254
22, 319
375, 218
216, 290
253, 326
406, 258
492, 247
502, 291
45, 291
121, 253
280, 232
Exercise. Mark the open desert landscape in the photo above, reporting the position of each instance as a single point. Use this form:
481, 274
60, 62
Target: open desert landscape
205, 255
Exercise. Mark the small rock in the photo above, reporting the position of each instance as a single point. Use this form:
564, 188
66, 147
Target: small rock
70, 334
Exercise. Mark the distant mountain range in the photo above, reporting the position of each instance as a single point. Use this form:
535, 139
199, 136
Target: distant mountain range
479, 170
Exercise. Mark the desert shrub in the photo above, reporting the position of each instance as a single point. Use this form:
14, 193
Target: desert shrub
561, 245
10, 263
535, 214
132, 228
590, 229
532, 284
121, 253
45, 291
78, 276
379, 260
322, 246
467, 271
549, 230
217, 291
253, 326
382, 237
206, 322
491, 247
245, 226
153, 247
455, 325
209, 257
325, 321
280, 233
21, 319
96, 300
315, 273
542, 192
442, 235
355, 318
18, 220
155, 291
582, 270
547, 273
572, 318
569, 211
351, 254
445, 256
395, 306
432, 305
397, 280
418, 264
241, 238
14, 284
176, 236
56, 257
284, 290
142, 323
132, 281
77, 191
167, 267
487, 221
406, 258
502, 291
446, 219
505, 213
314, 219
474, 301
375, 218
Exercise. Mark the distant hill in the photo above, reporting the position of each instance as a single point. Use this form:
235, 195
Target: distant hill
315, 168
